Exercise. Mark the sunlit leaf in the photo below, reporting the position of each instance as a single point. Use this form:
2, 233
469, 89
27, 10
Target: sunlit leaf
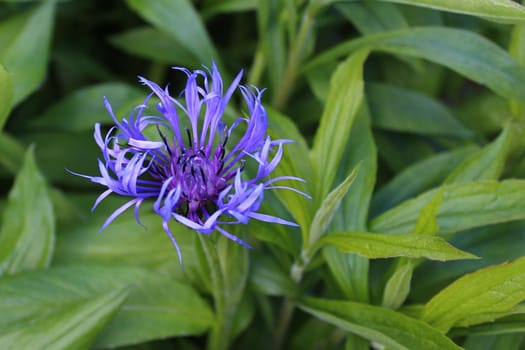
492, 289
342, 104
498, 10
465, 205
389, 328
375, 245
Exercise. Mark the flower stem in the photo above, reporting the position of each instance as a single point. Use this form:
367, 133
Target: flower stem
219, 336
287, 309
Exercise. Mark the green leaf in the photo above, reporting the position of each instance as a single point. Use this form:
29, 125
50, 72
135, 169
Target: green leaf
156, 307
294, 162
124, 242
80, 154
490, 342
24, 48
214, 7
397, 109
268, 278
389, 328
465, 205
517, 50
484, 113
488, 163
361, 151
156, 45
27, 235
515, 323
398, 285
505, 11
6, 95
342, 104
416, 178
376, 246
173, 16
492, 289
351, 270
426, 223
72, 326
372, 16
486, 317
80, 110
12, 153
490, 242
329, 206
234, 265
462, 51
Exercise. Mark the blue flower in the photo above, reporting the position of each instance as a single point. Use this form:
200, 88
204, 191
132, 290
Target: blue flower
188, 165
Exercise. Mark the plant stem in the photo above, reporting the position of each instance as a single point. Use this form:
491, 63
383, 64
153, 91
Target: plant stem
287, 309
259, 62
219, 336
295, 56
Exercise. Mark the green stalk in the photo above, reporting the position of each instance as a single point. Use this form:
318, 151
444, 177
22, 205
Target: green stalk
218, 338
259, 62
287, 308
295, 56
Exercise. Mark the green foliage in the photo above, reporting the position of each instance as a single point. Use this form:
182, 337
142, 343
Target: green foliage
24, 48
27, 234
406, 121
490, 290
375, 245
6, 95
387, 327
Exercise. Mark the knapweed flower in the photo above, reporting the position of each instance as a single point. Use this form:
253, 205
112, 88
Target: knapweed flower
183, 157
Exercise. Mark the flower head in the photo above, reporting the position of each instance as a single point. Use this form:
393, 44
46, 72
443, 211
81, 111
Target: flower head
184, 160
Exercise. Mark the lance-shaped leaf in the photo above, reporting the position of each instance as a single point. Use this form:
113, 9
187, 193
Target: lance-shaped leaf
375, 246
416, 178
398, 285
328, 208
372, 16
156, 306
513, 323
24, 48
80, 110
154, 44
170, 17
492, 289
74, 326
465, 205
6, 95
342, 104
398, 109
462, 51
506, 11
294, 162
12, 153
389, 328
27, 234
488, 163
125, 243
351, 271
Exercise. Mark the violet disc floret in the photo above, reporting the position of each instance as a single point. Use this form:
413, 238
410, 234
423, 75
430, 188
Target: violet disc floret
191, 169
